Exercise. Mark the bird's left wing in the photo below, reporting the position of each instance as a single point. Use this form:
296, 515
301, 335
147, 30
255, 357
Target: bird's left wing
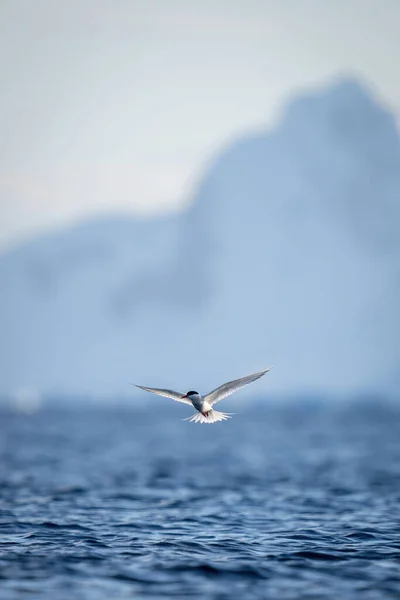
168, 393
228, 388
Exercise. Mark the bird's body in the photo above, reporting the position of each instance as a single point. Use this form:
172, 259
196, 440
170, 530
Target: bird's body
204, 404
199, 403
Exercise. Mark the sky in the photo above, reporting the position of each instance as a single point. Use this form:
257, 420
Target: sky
120, 105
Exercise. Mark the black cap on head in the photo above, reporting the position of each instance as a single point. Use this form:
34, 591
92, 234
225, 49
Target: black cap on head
192, 393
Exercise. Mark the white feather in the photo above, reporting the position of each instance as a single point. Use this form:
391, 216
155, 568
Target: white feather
213, 417
227, 389
177, 396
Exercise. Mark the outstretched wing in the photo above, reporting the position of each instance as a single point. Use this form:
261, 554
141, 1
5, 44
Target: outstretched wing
168, 393
228, 388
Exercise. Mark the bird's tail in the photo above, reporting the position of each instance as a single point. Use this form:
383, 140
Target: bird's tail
213, 417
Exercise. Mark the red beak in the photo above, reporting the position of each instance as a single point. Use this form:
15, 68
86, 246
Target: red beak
185, 396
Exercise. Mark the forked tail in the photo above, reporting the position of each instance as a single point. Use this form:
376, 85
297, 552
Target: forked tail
213, 416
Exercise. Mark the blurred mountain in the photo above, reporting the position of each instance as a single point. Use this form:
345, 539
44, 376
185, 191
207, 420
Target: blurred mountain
288, 255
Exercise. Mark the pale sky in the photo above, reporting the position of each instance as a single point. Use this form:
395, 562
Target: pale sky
119, 105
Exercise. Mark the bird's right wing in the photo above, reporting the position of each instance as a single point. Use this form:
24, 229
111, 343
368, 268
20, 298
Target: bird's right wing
228, 388
168, 393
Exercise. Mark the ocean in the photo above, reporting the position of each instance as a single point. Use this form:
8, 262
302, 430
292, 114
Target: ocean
290, 499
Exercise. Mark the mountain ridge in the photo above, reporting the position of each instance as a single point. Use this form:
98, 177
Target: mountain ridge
288, 255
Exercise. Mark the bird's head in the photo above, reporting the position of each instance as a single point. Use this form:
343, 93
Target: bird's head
190, 394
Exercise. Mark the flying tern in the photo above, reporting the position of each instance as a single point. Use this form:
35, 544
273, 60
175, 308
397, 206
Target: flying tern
204, 404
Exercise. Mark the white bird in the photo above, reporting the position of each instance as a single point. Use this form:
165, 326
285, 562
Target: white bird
204, 404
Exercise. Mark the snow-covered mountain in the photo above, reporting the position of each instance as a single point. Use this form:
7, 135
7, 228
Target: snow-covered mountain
288, 255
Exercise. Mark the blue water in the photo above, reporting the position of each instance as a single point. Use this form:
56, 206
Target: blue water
288, 500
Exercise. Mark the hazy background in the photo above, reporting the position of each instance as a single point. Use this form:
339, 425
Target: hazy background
244, 158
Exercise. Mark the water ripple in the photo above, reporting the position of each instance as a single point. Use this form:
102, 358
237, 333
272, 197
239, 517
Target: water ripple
113, 503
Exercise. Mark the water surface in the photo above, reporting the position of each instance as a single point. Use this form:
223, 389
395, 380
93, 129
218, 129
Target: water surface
287, 500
